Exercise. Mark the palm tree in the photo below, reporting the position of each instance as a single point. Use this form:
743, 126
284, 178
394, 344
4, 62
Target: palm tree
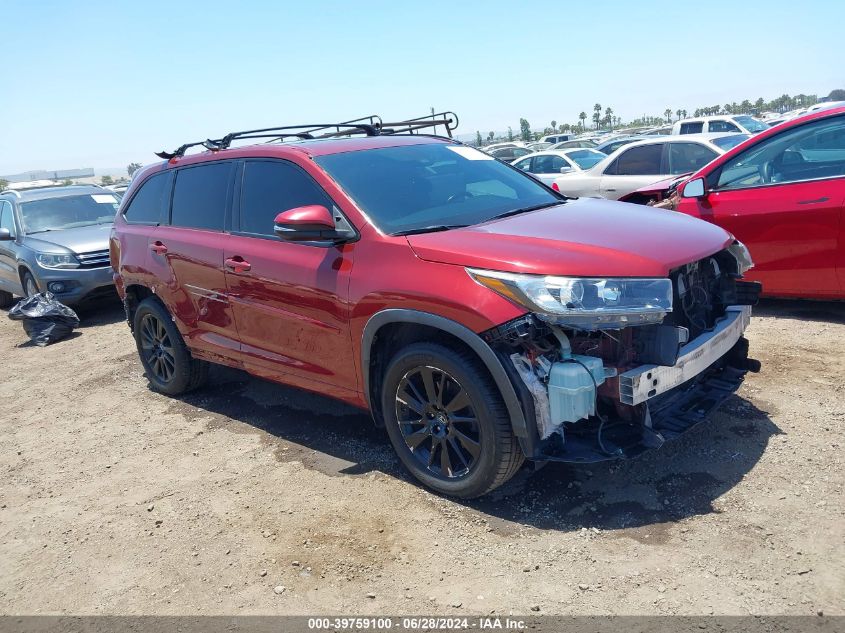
554, 126
683, 114
583, 117
668, 114
678, 112
597, 114
608, 117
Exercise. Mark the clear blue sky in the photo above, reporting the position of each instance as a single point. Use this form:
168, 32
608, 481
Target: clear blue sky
106, 83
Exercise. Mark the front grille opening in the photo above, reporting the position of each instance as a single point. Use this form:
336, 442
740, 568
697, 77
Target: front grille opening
94, 259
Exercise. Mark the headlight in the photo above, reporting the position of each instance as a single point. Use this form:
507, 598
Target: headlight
50, 260
585, 303
742, 257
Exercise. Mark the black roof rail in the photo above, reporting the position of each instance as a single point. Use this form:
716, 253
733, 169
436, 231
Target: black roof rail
371, 125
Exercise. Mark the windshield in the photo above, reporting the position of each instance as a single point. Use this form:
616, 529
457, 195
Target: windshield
436, 185
586, 158
68, 212
727, 142
751, 124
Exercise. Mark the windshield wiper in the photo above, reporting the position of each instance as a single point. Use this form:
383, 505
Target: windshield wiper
431, 229
536, 207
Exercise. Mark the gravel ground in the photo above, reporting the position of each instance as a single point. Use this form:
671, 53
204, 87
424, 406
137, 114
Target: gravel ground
251, 498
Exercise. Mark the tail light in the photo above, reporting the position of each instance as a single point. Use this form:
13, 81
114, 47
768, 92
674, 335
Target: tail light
555, 187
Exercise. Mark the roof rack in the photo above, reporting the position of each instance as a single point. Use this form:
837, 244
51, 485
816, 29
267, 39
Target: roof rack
371, 125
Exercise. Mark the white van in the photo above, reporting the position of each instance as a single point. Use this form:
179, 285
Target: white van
741, 123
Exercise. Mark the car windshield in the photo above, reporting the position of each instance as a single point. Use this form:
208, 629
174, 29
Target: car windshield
751, 124
727, 142
68, 212
586, 158
433, 186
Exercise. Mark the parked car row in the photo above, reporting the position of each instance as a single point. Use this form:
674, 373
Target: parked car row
482, 317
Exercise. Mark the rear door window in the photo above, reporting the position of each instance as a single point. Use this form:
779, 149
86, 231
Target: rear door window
270, 187
200, 196
722, 126
638, 161
687, 157
694, 127
548, 164
149, 204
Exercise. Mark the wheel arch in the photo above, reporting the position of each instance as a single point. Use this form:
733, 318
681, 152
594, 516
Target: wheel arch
406, 326
134, 295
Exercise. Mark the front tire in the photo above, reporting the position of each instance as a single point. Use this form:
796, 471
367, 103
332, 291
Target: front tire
30, 286
447, 422
168, 363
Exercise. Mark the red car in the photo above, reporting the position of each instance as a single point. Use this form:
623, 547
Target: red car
782, 193
481, 317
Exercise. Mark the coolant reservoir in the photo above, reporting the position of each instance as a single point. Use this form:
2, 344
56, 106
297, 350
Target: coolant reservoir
572, 392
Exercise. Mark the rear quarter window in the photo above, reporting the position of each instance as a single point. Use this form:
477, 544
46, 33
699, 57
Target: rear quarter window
149, 204
692, 128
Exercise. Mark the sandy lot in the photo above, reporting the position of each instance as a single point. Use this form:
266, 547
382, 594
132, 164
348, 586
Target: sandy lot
118, 500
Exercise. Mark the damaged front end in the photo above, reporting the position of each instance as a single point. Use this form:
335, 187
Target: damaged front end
609, 368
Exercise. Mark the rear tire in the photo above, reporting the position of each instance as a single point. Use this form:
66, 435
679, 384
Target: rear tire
168, 363
438, 400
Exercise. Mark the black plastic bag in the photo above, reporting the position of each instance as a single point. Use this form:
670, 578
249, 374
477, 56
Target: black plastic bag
45, 320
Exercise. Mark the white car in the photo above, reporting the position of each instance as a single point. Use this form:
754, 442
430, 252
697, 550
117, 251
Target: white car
740, 124
639, 164
548, 165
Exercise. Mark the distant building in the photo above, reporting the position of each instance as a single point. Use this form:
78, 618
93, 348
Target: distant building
41, 174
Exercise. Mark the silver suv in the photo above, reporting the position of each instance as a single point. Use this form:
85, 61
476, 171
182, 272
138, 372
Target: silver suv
56, 239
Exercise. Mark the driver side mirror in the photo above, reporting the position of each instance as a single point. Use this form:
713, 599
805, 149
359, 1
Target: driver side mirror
565, 170
6, 235
311, 223
694, 189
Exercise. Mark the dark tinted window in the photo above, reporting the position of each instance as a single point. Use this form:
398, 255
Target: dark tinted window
686, 157
270, 187
149, 203
7, 220
692, 128
722, 126
638, 161
548, 164
199, 196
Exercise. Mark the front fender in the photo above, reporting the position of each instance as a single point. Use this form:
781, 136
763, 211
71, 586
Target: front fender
461, 332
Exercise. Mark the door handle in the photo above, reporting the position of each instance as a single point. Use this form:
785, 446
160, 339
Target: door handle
610, 189
816, 201
158, 248
237, 264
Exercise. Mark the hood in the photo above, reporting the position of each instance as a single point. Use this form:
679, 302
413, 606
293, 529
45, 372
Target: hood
585, 237
83, 239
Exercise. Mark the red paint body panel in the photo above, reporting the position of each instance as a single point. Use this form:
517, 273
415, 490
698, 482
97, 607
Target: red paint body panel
586, 237
296, 312
795, 231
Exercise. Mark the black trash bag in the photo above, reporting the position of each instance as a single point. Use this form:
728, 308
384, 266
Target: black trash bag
45, 320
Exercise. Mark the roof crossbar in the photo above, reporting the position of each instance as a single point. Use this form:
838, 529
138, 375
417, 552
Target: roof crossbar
369, 125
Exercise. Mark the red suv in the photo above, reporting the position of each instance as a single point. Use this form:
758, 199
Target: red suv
481, 317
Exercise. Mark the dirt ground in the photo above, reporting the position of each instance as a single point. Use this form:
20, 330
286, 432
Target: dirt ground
248, 497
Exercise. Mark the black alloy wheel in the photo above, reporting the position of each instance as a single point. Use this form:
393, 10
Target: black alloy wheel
438, 422
157, 349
